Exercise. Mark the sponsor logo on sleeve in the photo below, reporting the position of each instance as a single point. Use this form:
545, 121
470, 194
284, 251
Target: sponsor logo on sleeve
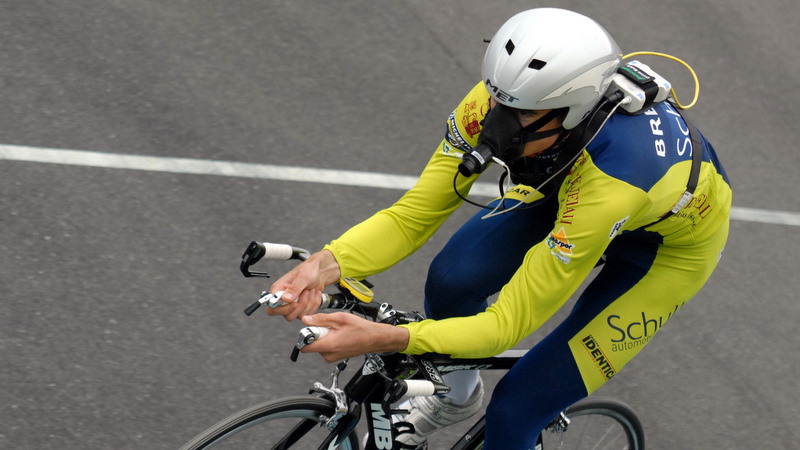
617, 227
453, 136
559, 246
470, 119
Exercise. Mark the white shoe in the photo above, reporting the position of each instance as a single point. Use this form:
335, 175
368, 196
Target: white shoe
428, 414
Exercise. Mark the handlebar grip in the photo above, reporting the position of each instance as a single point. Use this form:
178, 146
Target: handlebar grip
284, 251
319, 332
278, 251
418, 388
307, 336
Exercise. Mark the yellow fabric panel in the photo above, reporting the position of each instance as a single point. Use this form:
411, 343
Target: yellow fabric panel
699, 219
631, 321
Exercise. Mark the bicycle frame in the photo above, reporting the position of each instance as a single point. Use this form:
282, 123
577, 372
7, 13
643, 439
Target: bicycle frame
382, 379
385, 379
379, 383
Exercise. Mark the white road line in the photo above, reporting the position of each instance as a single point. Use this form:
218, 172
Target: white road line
287, 173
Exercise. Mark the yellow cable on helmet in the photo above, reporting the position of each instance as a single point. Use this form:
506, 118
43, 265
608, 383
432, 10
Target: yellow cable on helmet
672, 90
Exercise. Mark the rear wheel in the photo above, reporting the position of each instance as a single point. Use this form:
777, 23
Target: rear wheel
596, 423
593, 423
292, 422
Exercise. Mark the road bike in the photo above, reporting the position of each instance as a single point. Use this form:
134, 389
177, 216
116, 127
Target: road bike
326, 418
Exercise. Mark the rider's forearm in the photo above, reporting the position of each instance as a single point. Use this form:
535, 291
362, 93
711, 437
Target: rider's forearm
353, 336
394, 339
329, 271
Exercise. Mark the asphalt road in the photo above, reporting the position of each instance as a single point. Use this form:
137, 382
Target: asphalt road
122, 322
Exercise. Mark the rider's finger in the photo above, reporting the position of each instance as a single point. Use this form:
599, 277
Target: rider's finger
290, 293
312, 299
284, 311
314, 320
292, 284
332, 320
296, 288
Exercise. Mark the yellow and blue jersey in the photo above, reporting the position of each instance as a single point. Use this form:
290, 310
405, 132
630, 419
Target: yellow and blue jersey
633, 172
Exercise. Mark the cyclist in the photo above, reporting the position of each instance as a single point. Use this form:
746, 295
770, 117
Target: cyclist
545, 70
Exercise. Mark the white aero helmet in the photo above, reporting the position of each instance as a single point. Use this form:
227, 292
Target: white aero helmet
549, 58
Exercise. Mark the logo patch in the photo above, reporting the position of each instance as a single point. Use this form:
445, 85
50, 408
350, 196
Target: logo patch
453, 136
522, 193
559, 246
469, 119
499, 93
617, 227
598, 356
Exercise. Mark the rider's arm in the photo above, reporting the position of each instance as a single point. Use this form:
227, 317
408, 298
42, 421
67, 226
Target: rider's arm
394, 233
350, 335
593, 207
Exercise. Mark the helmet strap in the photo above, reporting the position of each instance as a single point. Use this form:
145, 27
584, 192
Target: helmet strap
548, 175
531, 131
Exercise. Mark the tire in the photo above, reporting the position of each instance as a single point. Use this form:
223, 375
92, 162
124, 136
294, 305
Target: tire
597, 423
265, 425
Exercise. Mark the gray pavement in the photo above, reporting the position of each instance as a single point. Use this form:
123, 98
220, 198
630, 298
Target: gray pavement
122, 324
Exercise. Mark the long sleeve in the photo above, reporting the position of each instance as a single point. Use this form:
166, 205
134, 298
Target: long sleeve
395, 232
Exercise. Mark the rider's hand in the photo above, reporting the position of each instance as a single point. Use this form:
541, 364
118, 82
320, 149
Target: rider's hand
351, 335
302, 286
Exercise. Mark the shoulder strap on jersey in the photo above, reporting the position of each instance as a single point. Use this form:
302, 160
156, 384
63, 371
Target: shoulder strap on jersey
694, 174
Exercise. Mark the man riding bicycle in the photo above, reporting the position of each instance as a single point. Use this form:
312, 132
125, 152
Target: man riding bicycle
640, 190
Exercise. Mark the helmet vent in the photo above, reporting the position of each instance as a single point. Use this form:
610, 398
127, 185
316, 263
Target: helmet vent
537, 64
509, 46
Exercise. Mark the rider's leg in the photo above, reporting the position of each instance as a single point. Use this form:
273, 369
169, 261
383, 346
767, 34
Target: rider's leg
476, 262
481, 257
641, 286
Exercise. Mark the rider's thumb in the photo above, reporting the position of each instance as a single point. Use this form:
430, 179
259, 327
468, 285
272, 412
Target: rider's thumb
293, 290
289, 294
315, 320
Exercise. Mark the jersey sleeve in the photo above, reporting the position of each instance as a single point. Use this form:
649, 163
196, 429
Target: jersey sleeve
395, 232
593, 209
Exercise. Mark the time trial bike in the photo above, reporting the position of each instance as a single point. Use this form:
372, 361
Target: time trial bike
327, 417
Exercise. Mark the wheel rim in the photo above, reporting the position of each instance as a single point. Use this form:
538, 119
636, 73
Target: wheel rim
274, 428
593, 428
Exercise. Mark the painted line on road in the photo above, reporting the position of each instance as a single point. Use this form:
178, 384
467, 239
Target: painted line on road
287, 173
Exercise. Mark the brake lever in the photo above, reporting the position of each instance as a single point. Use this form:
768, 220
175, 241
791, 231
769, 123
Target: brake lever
307, 336
272, 300
252, 254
